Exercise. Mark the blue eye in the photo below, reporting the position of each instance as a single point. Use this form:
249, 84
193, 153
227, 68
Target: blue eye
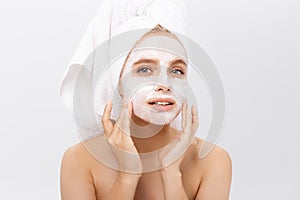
177, 72
144, 70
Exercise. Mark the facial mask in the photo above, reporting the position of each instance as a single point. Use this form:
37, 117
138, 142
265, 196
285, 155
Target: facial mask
156, 98
86, 89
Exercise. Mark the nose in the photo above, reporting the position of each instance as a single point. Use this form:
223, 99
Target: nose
162, 88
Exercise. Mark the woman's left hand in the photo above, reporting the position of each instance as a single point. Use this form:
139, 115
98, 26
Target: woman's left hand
181, 141
170, 171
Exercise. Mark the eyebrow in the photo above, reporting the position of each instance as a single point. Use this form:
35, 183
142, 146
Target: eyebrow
178, 61
146, 60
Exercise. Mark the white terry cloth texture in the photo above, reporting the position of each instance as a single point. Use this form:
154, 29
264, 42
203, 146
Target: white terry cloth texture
121, 16
116, 17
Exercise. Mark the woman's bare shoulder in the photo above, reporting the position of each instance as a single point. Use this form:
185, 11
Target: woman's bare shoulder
76, 155
217, 157
81, 152
215, 169
76, 175
216, 151
204, 159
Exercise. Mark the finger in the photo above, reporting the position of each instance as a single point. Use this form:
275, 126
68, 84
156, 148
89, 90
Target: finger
194, 115
107, 125
183, 112
127, 118
188, 121
130, 107
127, 114
122, 121
114, 136
188, 132
106, 112
127, 110
118, 125
188, 116
121, 115
195, 120
128, 142
125, 103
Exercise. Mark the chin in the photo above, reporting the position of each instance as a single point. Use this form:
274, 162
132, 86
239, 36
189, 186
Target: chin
151, 116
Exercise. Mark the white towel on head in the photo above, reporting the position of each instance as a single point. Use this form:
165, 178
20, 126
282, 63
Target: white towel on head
136, 14
115, 17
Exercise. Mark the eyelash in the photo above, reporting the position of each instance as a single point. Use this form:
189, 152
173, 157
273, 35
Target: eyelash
141, 70
177, 70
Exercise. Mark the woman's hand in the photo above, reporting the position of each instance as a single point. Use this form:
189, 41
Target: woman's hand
182, 140
118, 136
171, 174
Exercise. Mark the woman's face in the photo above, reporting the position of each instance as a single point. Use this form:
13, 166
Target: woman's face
154, 80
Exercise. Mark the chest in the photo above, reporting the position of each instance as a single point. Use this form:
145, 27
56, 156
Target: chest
149, 187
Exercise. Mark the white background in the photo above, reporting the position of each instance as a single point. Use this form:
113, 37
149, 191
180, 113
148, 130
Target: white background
254, 43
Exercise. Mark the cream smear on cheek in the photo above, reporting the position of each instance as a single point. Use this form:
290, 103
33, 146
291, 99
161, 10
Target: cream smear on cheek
141, 89
145, 111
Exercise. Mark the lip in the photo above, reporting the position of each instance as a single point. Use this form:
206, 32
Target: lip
162, 104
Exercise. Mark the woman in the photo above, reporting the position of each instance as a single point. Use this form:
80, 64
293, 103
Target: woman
153, 103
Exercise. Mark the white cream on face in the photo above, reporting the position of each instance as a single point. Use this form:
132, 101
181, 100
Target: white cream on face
155, 84
154, 78
147, 112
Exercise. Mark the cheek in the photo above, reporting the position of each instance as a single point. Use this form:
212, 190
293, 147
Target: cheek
140, 107
143, 111
179, 86
139, 99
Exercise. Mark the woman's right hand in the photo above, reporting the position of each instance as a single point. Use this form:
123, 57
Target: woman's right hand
118, 136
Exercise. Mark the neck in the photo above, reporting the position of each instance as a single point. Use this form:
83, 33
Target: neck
149, 137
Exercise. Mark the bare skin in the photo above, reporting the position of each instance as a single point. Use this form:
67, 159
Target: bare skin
85, 177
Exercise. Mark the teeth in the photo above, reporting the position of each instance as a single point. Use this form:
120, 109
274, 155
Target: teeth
162, 103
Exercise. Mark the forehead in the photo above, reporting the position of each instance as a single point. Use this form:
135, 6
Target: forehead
162, 46
160, 55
